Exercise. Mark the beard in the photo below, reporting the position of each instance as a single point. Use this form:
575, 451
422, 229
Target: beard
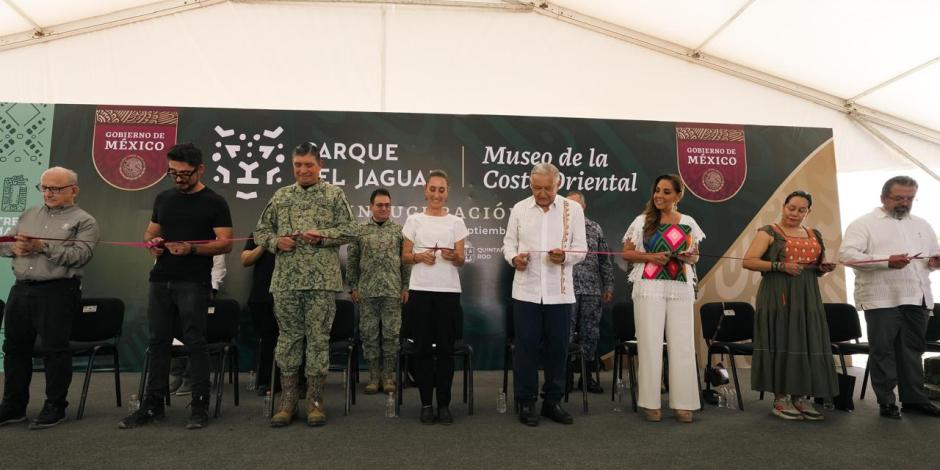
899, 212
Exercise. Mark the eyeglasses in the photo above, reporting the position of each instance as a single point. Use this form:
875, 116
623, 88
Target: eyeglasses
53, 189
902, 198
180, 174
383, 206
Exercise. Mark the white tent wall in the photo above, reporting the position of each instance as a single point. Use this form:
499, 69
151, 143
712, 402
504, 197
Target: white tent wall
362, 57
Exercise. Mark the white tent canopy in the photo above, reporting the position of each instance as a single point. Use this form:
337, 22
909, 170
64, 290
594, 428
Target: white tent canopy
793, 62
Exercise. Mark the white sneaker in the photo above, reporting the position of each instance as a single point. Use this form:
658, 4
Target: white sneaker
806, 408
783, 408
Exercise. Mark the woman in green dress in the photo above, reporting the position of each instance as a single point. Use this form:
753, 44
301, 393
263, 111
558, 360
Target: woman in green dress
792, 353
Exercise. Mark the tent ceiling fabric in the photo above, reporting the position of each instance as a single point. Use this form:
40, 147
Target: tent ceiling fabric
840, 47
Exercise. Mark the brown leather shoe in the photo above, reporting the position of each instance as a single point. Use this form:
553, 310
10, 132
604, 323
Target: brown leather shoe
654, 416
288, 402
683, 416
389, 386
372, 388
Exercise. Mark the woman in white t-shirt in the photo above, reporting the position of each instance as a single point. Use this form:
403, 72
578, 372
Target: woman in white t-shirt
663, 245
434, 244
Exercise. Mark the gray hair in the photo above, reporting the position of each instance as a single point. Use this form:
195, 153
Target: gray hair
906, 181
546, 168
71, 175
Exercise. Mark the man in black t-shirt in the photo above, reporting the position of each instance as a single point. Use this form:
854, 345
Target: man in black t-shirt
180, 281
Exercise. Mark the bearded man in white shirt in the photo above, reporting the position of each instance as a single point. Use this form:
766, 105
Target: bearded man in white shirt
544, 240
895, 294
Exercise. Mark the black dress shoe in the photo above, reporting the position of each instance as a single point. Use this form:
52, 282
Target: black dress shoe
443, 416
889, 411
552, 410
427, 414
527, 414
928, 409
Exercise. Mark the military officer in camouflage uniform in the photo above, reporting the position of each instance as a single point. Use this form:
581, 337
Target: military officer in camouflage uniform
593, 286
379, 283
304, 225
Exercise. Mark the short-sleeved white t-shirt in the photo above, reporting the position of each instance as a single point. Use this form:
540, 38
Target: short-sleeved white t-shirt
426, 232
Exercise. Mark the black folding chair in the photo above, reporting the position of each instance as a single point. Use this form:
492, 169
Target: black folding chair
625, 347
344, 346
845, 329
96, 329
461, 350
728, 328
575, 353
221, 332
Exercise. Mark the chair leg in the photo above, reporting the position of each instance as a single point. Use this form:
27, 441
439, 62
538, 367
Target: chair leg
143, 375
737, 385
81, 404
220, 380
234, 366
585, 377
469, 366
865, 379
698, 383
117, 377
273, 381
613, 376
399, 382
597, 366
347, 379
633, 381
845, 370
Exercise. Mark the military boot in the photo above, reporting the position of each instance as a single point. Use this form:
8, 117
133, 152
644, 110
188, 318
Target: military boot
389, 374
316, 415
285, 410
373, 387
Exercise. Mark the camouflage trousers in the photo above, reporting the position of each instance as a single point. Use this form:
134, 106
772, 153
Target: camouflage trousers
380, 314
585, 319
304, 314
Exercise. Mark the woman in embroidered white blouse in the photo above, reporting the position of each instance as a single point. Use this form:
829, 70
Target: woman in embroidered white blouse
663, 245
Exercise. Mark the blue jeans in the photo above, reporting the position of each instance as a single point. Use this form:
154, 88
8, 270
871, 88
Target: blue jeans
190, 300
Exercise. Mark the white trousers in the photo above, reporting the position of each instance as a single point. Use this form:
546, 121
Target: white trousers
652, 316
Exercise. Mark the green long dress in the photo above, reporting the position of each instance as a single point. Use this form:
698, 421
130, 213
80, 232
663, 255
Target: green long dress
792, 353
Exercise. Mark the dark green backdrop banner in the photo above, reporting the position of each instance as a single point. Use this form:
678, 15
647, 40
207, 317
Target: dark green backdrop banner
731, 169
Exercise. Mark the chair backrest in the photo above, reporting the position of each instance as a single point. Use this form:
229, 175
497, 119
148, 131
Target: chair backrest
222, 321
933, 324
622, 319
98, 319
344, 323
843, 321
734, 328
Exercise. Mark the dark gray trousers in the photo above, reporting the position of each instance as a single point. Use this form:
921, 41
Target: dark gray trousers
896, 336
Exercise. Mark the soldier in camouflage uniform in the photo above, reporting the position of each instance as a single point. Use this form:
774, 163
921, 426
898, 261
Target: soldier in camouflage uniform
304, 225
593, 286
379, 283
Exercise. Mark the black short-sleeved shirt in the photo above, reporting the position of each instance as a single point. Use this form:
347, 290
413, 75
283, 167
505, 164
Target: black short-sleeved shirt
185, 217
261, 275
